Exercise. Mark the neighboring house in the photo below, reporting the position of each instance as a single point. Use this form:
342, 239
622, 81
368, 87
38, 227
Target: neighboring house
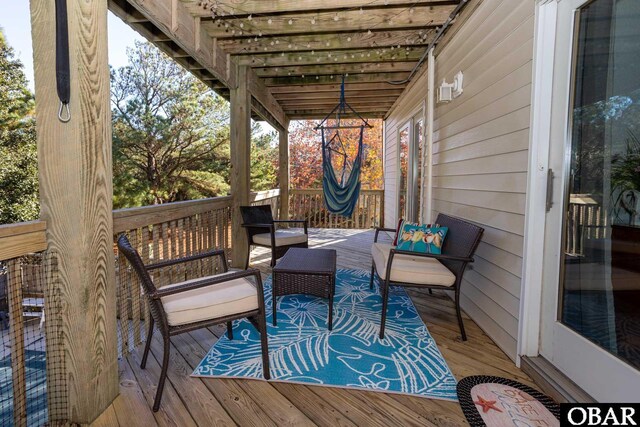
486, 158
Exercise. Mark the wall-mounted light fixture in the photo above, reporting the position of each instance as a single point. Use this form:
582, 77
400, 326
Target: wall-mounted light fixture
448, 91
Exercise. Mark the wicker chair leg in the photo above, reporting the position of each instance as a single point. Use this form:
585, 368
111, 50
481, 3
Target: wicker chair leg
385, 300
273, 257
147, 345
373, 271
230, 330
459, 314
163, 375
246, 261
262, 324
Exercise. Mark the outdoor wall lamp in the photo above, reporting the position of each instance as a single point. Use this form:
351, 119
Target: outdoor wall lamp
448, 91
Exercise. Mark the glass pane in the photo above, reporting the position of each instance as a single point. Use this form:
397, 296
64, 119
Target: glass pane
601, 273
404, 172
417, 172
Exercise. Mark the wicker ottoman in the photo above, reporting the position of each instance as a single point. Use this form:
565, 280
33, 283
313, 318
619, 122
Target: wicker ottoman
305, 271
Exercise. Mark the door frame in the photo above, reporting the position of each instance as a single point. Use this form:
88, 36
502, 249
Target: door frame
530, 313
622, 377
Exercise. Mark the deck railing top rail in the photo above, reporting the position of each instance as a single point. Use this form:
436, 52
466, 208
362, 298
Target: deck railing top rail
22, 238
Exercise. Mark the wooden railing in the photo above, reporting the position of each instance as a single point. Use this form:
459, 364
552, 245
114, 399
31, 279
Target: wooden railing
163, 232
585, 220
28, 279
309, 204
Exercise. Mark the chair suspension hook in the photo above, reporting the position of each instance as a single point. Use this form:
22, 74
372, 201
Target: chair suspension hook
64, 113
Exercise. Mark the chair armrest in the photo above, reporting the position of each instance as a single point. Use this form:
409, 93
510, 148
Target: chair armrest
436, 256
293, 221
214, 280
170, 262
379, 229
257, 225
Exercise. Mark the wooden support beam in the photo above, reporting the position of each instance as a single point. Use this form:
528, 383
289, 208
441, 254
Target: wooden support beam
397, 18
329, 69
240, 162
283, 171
334, 87
320, 114
280, 7
331, 57
335, 96
263, 95
354, 102
318, 42
75, 169
175, 21
351, 78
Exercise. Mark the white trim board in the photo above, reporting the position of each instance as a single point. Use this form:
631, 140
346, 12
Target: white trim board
539, 142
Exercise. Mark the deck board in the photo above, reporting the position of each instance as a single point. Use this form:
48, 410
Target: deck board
206, 401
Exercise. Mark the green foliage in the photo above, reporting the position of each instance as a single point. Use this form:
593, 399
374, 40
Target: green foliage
170, 133
18, 147
264, 159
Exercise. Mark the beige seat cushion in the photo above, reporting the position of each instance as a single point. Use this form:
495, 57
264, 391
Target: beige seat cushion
223, 299
409, 269
283, 238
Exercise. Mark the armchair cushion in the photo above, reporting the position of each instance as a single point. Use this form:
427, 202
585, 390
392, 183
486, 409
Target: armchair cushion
283, 238
223, 299
408, 269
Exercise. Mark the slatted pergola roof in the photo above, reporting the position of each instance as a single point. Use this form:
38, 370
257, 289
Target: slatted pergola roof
297, 50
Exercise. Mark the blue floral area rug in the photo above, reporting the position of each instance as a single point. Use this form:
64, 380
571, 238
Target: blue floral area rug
302, 350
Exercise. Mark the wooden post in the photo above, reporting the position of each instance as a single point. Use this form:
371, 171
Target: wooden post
283, 170
240, 162
75, 168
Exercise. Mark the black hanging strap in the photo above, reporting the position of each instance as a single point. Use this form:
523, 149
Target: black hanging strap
63, 75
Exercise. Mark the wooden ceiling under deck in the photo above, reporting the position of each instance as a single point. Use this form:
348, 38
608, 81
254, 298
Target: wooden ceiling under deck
300, 49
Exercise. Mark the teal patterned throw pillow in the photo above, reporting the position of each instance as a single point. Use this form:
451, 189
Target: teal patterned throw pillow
425, 238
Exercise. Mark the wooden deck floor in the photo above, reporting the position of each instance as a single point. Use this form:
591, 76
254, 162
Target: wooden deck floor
206, 402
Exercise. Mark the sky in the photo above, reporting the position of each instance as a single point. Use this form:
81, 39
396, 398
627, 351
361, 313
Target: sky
15, 22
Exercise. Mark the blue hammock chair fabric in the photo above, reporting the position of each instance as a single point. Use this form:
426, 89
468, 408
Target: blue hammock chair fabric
341, 190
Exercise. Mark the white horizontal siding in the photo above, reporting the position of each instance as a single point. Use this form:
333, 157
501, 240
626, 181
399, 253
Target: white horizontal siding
480, 155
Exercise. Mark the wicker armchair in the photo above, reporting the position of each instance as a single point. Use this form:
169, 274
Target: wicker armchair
262, 231
402, 268
198, 303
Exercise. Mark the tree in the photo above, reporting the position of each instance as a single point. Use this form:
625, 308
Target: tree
305, 145
18, 147
264, 159
170, 133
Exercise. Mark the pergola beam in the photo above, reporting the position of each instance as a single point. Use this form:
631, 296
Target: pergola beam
331, 57
334, 87
335, 95
318, 42
401, 18
351, 78
329, 69
288, 7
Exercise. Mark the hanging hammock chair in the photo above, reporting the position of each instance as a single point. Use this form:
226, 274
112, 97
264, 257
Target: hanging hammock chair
341, 188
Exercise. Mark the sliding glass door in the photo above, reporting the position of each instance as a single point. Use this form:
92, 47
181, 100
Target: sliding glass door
410, 147
591, 298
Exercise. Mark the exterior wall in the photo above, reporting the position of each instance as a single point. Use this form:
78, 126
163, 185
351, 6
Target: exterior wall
410, 103
480, 155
